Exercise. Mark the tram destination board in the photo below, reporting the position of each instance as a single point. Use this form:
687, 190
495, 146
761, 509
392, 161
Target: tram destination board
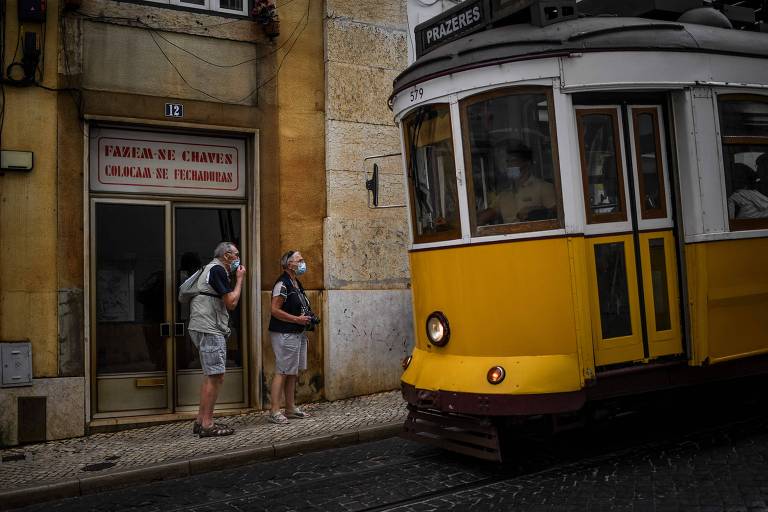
459, 21
473, 15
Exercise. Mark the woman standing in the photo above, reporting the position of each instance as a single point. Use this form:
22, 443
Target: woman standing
291, 315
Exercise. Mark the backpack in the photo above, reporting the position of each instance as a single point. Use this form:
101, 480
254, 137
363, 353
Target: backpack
189, 288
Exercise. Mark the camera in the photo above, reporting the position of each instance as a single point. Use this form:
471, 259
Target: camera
313, 319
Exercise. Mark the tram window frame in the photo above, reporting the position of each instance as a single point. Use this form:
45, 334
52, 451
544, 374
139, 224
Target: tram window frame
729, 141
449, 234
608, 217
515, 227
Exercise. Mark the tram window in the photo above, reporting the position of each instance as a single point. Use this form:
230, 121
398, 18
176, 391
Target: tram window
601, 165
432, 174
510, 152
744, 128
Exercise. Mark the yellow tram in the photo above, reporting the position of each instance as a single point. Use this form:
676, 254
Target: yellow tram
588, 201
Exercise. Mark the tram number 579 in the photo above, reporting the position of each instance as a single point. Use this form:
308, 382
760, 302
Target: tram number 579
417, 93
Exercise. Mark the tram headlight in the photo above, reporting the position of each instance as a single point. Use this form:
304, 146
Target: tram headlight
438, 330
407, 362
496, 375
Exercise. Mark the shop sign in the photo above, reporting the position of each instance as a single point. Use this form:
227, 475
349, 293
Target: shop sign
166, 163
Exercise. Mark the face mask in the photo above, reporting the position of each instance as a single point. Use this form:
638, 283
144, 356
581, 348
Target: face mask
301, 268
513, 172
233, 266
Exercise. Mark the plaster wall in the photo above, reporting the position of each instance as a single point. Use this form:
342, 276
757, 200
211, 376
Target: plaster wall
28, 209
371, 334
366, 266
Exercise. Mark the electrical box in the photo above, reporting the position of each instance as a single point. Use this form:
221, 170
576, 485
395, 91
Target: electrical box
15, 364
32, 11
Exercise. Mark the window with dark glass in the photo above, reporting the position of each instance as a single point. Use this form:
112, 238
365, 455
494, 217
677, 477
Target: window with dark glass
744, 129
432, 174
650, 169
601, 167
239, 7
510, 154
613, 290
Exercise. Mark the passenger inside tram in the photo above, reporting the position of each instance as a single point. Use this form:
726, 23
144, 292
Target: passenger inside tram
520, 195
762, 173
746, 202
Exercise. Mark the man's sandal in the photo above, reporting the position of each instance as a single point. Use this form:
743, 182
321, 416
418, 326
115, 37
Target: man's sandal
216, 430
197, 426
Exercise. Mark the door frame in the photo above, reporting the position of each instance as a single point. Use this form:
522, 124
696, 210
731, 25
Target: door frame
635, 232
252, 137
244, 300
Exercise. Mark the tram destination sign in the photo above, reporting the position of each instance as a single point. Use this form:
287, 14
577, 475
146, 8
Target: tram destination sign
143, 162
459, 21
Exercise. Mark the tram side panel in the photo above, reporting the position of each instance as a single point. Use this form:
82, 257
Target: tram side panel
727, 276
515, 305
728, 290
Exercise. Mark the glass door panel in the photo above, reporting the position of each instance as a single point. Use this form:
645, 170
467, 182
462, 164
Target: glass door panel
649, 163
662, 314
614, 300
130, 329
601, 163
197, 232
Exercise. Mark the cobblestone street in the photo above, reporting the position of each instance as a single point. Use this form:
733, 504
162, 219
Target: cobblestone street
662, 457
143, 447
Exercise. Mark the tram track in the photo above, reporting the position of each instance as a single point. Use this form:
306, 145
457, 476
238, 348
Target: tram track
396, 475
581, 464
546, 462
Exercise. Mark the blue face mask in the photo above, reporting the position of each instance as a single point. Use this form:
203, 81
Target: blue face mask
301, 268
233, 266
513, 172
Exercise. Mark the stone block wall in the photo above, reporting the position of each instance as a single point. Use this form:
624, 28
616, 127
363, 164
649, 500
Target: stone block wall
367, 301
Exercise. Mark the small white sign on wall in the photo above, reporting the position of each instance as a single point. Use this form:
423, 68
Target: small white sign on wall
144, 162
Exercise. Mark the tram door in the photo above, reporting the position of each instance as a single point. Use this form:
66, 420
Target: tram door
143, 359
632, 265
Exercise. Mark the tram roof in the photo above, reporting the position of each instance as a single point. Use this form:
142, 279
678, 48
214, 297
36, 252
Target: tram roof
525, 42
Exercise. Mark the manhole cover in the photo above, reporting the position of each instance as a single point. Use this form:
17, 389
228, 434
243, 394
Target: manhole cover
98, 466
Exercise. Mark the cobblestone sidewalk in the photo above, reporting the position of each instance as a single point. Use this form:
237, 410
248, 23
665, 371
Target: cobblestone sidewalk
56, 461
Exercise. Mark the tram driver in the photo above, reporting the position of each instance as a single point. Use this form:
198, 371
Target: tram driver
520, 195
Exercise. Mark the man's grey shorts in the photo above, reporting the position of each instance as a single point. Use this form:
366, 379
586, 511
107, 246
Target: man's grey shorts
213, 351
290, 352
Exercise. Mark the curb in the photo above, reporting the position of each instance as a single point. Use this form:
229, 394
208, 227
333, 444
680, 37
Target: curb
114, 479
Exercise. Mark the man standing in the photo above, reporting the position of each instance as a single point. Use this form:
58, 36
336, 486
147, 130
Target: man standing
209, 329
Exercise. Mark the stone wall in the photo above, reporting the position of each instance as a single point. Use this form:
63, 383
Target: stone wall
367, 301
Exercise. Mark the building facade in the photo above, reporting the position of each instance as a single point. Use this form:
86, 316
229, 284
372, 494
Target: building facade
158, 129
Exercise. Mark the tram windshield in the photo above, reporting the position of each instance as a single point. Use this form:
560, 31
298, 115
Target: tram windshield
432, 174
510, 153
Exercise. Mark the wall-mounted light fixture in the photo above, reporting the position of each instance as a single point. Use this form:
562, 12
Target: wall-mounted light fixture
16, 160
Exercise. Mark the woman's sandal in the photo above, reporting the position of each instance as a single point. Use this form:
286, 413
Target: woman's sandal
216, 430
296, 413
278, 418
